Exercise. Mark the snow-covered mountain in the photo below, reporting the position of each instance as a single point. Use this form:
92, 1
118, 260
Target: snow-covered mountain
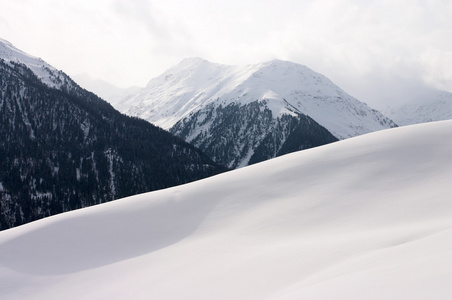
365, 218
241, 107
435, 107
47, 74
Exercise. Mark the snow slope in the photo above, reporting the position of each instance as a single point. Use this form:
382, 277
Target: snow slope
364, 218
45, 72
436, 107
284, 86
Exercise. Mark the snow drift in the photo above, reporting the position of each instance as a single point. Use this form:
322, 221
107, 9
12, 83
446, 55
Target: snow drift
364, 218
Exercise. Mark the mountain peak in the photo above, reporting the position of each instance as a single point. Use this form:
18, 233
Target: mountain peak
282, 68
252, 108
195, 83
194, 63
280, 63
193, 60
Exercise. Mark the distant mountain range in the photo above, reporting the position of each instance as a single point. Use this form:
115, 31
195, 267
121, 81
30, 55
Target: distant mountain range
434, 107
243, 115
109, 92
63, 148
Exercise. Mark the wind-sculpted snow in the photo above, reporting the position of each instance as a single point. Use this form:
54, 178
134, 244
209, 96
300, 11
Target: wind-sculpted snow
86, 240
364, 218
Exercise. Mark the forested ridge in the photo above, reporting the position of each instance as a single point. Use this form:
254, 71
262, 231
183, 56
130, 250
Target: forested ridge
237, 134
63, 149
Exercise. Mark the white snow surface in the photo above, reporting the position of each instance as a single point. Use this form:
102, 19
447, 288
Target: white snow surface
285, 86
436, 107
49, 75
365, 218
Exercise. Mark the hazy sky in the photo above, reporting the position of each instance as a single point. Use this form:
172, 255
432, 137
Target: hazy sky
378, 51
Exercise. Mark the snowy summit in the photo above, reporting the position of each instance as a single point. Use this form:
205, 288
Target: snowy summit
254, 112
285, 86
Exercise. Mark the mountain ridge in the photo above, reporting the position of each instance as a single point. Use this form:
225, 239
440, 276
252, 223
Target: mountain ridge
207, 103
199, 82
436, 106
46, 73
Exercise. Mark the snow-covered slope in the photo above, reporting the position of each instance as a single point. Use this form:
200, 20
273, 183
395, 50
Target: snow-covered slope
436, 107
364, 218
45, 72
285, 87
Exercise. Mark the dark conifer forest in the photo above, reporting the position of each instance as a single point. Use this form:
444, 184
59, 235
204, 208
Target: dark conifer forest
235, 131
64, 149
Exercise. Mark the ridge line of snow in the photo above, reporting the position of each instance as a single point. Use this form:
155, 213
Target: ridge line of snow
195, 83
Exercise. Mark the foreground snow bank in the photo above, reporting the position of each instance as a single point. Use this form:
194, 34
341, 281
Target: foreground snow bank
365, 218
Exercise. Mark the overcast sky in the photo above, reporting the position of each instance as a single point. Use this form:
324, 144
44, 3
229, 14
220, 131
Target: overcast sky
378, 51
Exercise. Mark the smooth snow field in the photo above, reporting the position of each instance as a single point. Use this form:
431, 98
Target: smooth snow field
364, 218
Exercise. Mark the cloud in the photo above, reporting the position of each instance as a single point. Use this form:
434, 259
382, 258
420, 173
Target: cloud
372, 49
380, 52
166, 33
143, 13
